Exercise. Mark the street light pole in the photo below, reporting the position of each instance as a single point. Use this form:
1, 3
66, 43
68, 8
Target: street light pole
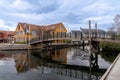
29, 35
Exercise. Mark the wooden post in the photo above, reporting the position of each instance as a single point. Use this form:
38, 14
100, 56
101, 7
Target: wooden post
83, 44
89, 37
81, 35
90, 52
96, 33
96, 36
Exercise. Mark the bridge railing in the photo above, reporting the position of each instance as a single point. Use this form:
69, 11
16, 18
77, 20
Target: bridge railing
46, 38
35, 39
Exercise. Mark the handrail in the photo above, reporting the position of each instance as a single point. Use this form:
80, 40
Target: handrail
110, 68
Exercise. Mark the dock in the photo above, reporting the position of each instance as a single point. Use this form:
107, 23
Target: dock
113, 72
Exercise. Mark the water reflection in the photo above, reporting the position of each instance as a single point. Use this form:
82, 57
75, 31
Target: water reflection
66, 64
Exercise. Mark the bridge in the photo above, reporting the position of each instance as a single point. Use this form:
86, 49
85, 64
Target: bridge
111, 74
48, 40
106, 40
67, 41
113, 71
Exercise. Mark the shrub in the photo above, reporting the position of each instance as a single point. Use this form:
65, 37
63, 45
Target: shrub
109, 45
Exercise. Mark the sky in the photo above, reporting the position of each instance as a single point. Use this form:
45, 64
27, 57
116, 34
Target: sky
72, 13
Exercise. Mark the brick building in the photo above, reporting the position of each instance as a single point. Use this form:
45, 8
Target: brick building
6, 36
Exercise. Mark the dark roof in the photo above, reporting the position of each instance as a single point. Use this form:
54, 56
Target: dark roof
86, 31
76, 31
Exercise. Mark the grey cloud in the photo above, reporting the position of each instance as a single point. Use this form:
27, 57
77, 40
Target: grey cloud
40, 6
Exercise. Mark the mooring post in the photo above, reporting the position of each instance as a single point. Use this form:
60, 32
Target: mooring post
83, 44
81, 35
89, 37
90, 52
96, 36
96, 31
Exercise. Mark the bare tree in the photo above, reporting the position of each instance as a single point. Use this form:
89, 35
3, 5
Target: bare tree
117, 23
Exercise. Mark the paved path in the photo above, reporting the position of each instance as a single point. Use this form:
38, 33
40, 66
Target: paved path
113, 73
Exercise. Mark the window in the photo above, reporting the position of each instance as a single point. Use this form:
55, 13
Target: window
34, 33
61, 28
19, 28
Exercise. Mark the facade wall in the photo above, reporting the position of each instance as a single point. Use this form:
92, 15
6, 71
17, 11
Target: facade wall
1, 35
21, 35
44, 33
59, 32
6, 36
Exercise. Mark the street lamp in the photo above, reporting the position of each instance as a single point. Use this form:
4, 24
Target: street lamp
27, 34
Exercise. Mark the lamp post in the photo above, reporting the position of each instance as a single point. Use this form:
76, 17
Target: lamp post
26, 34
42, 33
60, 33
29, 35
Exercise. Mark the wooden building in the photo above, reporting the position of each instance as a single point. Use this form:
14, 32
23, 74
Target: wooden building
25, 32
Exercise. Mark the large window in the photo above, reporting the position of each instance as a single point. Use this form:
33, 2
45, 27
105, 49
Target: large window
19, 32
34, 33
19, 39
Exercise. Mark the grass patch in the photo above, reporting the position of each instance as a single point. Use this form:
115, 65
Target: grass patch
20, 42
110, 46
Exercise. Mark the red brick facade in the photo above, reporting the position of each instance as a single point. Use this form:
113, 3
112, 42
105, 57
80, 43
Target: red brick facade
6, 36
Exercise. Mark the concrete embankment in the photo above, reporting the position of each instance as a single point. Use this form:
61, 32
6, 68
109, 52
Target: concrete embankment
13, 47
53, 46
9, 47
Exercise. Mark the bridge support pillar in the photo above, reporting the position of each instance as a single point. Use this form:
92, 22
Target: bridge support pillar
83, 45
95, 45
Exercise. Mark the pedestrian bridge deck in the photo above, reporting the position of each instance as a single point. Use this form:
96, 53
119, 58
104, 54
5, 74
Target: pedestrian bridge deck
38, 40
113, 72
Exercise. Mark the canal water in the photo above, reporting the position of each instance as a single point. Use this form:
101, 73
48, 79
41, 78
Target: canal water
61, 64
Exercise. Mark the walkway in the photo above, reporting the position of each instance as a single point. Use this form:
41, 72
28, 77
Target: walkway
113, 72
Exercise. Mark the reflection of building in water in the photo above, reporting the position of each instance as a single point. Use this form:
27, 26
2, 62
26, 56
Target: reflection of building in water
22, 62
4, 55
25, 61
60, 55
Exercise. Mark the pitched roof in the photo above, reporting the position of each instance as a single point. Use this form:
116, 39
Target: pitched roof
54, 26
32, 26
38, 27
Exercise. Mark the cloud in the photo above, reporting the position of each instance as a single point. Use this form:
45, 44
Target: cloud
73, 13
20, 5
38, 6
104, 19
4, 26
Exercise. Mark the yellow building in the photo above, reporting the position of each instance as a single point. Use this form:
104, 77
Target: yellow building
25, 32
57, 30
